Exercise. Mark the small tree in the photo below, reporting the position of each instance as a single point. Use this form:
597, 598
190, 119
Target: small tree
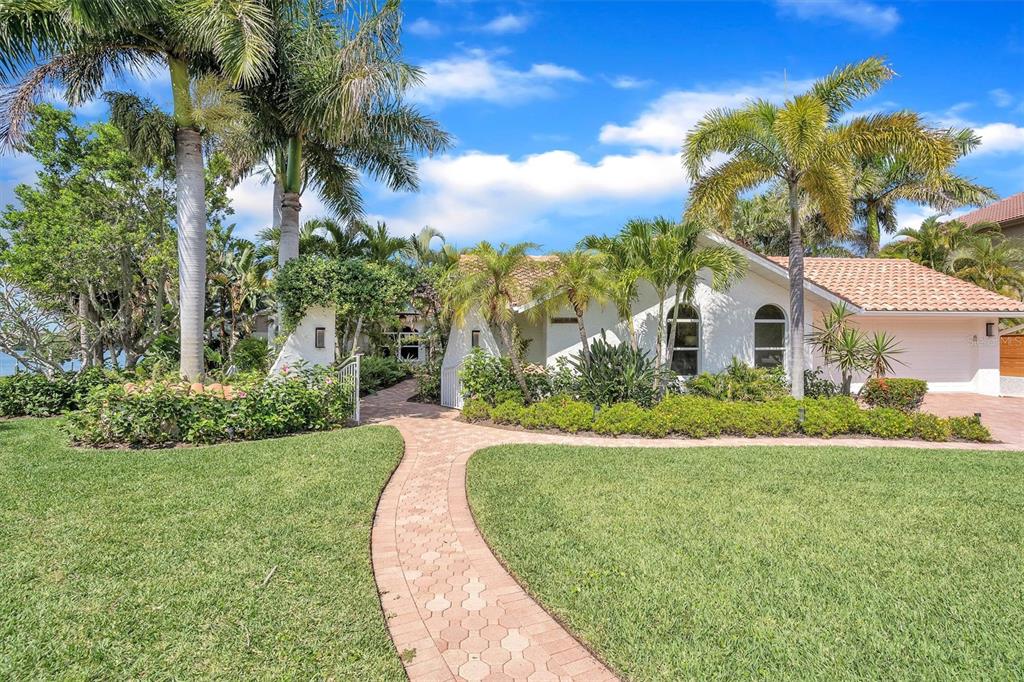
579, 279
850, 350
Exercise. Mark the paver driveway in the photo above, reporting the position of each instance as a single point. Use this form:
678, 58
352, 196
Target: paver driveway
452, 609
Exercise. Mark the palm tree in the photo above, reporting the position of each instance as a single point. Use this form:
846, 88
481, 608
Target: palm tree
334, 108
421, 252
804, 145
993, 262
625, 269
934, 243
379, 245
579, 278
488, 284
725, 265
81, 45
884, 180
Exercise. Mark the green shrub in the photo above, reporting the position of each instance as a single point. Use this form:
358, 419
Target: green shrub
828, 417
691, 416
929, 427
888, 422
376, 372
476, 409
969, 428
251, 354
899, 394
740, 382
617, 373
428, 380
817, 385
630, 418
489, 378
165, 413
508, 412
773, 418
558, 412
35, 395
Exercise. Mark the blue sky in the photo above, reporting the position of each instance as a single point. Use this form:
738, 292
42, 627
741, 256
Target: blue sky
569, 116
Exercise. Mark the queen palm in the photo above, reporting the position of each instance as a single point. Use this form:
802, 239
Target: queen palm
488, 284
78, 45
804, 145
578, 279
884, 180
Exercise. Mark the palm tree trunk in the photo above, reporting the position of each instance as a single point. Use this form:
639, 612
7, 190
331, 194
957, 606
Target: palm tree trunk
191, 195
290, 204
874, 235
517, 368
634, 341
278, 200
581, 326
796, 295
670, 347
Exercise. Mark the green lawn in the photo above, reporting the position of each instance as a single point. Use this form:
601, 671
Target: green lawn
769, 563
155, 564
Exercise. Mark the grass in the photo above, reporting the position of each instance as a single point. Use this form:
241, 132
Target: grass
794, 563
238, 561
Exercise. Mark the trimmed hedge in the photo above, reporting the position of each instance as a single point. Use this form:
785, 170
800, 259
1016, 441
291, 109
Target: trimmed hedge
898, 394
30, 394
695, 417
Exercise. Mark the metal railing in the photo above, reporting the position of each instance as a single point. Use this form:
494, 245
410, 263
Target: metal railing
350, 372
451, 387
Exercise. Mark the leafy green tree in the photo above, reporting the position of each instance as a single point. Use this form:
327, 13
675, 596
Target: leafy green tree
79, 44
579, 278
934, 242
809, 147
993, 262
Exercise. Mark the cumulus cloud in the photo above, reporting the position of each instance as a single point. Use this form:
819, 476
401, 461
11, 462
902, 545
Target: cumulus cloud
1000, 137
507, 23
478, 75
425, 28
664, 123
860, 13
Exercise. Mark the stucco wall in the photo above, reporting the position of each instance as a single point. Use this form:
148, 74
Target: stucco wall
461, 338
300, 345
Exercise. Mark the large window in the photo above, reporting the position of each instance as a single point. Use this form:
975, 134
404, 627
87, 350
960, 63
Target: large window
769, 337
687, 345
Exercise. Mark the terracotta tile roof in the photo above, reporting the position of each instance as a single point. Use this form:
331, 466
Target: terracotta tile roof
526, 278
894, 284
1010, 208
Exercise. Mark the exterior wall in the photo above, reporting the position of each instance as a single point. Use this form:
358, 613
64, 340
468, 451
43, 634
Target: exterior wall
950, 352
300, 346
534, 330
460, 341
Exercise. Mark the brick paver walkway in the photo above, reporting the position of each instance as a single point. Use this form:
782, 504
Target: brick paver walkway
452, 609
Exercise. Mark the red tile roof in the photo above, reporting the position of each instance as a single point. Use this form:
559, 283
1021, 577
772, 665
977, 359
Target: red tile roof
892, 284
1010, 208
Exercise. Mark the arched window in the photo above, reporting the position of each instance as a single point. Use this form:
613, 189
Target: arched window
687, 345
769, 336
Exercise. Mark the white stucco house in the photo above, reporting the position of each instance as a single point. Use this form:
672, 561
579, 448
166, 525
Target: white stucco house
948, 328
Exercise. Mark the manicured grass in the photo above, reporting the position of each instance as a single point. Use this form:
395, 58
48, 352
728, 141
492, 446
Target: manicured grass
238, 561
816, 563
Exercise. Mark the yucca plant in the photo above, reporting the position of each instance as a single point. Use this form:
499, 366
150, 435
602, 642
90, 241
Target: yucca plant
616, 373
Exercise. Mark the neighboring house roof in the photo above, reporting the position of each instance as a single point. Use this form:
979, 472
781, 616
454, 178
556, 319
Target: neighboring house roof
1007, 210
899, 285
526, 278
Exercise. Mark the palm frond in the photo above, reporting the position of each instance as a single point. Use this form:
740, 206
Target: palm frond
148, 131
847, 84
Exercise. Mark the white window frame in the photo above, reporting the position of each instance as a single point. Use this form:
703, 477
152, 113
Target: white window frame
700, 339
785, 334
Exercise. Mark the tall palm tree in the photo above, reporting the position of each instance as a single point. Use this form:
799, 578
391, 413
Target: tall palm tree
488, 284
884, 180
805, 145
78, 45
625, 265
724, 263
579, 278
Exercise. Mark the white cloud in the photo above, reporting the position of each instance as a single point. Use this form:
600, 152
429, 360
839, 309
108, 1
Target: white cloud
999, 138
1000, 97
667, 120
628, 82
477, 75
476, 195
507, 23
425, 28
866, 15
253, 202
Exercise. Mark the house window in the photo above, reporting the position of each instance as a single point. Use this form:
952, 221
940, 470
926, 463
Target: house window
769, 337
319, 337
408, 344
687, 345
564, 320
475, 338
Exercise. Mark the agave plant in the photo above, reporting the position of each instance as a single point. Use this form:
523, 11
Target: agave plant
617, 373
850, 350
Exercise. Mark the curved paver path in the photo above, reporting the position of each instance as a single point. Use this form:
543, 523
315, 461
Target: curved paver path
452, 609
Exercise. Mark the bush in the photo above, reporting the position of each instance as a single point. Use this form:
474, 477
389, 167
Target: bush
33, 394
817, 385
558, 412
969, 428
741, 382
476, 409
774, 418
617, 373
428, 380
376, 372
888, 422
251, 355
165, 413
508, 412
899, 394
929, 427
488, 377
690, 416
828, 417
622, 418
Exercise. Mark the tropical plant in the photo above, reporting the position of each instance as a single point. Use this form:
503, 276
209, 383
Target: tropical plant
934, 242
849, 349
578, 279
487, 283
883, 180
379, 245
993, 262
623, 259
809, 146
81, 45
616, 373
